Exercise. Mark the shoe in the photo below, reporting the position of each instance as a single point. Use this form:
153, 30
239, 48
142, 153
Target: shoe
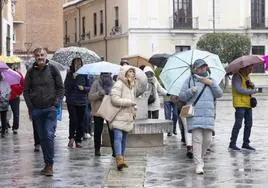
15, 131
199, 170
119, 162
174, 132
37, 148
248, 147
97, 153
78, 145
189, 153
125, 165
71, 143
87, 136
234, 148
48, 170
169, 134
3, 135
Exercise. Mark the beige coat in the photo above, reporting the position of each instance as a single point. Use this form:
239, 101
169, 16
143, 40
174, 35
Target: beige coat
95, 97
124, 97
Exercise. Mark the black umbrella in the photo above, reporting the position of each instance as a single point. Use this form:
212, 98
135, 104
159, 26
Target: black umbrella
159, 60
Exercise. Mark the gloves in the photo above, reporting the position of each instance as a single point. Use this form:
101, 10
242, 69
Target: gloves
168, 94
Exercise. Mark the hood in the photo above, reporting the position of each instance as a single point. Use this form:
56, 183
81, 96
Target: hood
73, 62
123, 71
148, 69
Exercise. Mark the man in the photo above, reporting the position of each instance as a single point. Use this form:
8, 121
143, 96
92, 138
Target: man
43, 91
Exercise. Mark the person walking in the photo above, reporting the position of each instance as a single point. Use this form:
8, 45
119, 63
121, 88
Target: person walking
76, 92
14, 101
123, 96
99, 88
171, 113
154, 89
43, 92
242, 89
4, 103
202, 92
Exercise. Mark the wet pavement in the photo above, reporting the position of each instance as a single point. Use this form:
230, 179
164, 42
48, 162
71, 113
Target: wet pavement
148, 167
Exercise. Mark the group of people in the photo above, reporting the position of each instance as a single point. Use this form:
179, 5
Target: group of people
44, 90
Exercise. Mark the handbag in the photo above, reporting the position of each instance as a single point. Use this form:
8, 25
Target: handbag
107, 110
253, 102
188, 110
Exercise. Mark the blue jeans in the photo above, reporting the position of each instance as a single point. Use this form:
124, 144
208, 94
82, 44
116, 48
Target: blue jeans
240, 114
120, 142
46, 121
171, 112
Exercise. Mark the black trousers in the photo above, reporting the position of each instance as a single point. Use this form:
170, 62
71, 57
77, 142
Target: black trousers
15, 107
3, 121
98, 127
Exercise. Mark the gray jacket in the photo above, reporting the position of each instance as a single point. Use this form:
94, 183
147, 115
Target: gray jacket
41, 88
204, 110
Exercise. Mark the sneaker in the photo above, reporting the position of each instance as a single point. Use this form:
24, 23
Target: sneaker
248, 147
169, 134
15, 131
37, 148
189, 153
234, 148
3, 135
87, 136
71, 143
199, 170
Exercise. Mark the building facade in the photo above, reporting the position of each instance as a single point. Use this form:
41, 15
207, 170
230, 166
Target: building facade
118, 28
38, 24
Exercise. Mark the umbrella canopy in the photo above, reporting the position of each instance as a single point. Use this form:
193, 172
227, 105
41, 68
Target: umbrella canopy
136, 60
12, 77
159, 60
97, 68
266, 62
65, 55
3, 66
179, 67
242, 62
59, 66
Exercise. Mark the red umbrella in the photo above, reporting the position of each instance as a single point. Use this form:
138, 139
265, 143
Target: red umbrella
242, 62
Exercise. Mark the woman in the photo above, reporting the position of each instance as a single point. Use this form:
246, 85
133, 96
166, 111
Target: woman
154, 89
100, 87
123, 95
4, 96
202, 123
76, 97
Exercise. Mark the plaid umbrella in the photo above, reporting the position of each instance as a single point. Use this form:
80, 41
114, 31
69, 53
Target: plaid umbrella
65, 55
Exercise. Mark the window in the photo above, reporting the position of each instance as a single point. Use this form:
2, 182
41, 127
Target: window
101, 22
258, 50
258, 13
65, 28
182, 14
95, 23
83, 27
182, 48
116, 9
75, 29
8, 39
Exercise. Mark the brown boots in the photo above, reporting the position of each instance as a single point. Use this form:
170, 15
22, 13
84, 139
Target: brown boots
125, 165
48, 170
119, 162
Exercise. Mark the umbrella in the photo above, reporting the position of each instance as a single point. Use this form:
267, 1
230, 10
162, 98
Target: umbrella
242, 62
178, 69
59, 66
12, 77
65, 55
159, 60
3, 66
266, 62
97, 68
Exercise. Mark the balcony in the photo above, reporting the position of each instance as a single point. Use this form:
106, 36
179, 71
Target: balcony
256, 23
185, 23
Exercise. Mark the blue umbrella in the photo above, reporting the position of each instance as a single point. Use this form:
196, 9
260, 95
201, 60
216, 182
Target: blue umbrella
97, 68
179, 67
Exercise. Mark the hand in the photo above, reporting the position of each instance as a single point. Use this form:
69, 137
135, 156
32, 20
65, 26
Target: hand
205, 81
74, 75
80, 87
194, 89
102, 92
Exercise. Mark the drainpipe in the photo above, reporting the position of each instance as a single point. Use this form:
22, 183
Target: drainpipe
79, 26
105, 37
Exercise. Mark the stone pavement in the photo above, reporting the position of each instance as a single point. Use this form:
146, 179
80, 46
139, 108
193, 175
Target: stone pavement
159, 167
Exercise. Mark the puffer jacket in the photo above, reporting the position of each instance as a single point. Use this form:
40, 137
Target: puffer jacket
204, 110
124, 97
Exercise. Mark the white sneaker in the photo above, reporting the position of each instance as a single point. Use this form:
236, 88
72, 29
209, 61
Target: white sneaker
199, 170
87, 136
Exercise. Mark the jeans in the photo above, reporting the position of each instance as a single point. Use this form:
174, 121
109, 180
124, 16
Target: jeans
171, 113
120, 142
15, 107
240, 114
46, 122
76, 121
153, 114
98, 127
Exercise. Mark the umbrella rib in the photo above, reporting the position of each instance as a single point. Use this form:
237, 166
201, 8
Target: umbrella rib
182, 60
175, 68
178, 78
206, 57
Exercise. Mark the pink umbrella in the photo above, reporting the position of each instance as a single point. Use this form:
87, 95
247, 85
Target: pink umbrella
265, 61
3, 66
242, 62
12, 77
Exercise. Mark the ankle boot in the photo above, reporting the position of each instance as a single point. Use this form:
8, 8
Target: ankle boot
125, 165
189, 152
48, 170
119, 162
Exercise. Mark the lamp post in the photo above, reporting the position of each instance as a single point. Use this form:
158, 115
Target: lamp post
2, 4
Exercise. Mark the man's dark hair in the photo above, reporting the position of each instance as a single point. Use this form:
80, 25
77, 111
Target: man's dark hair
39, 49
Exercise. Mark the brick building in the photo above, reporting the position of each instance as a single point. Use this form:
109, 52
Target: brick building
38, 23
